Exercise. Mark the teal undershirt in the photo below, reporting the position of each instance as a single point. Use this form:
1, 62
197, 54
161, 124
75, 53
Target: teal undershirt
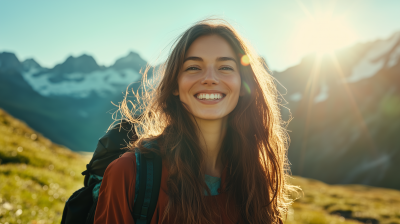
213, 183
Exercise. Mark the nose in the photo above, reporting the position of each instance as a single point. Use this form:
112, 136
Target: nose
210, 77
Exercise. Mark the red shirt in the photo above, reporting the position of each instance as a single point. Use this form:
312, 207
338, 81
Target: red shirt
117, 193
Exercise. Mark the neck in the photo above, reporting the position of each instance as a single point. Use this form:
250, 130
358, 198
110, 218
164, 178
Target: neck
211, 134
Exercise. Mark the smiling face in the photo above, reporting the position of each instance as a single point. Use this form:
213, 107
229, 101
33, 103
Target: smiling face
209, 80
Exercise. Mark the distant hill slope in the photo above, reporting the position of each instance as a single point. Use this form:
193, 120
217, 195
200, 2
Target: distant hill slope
346, 114
37, 176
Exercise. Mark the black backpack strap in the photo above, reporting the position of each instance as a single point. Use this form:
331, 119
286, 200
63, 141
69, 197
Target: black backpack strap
109, 148
149, 187
79, 205
92, 212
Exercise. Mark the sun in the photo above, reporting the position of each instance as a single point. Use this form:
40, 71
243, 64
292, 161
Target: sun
323, 34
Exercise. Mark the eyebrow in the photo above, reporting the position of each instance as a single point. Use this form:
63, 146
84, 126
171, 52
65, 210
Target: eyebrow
218, 59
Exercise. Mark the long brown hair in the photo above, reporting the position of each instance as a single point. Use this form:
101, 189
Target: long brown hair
254, 148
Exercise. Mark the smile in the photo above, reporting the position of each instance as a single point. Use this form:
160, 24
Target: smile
208, 96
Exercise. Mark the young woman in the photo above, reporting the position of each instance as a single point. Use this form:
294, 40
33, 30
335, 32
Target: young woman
215, 116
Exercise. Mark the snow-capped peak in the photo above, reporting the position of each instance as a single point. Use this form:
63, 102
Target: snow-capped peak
81, 76
30, 64
131, 61
382, 53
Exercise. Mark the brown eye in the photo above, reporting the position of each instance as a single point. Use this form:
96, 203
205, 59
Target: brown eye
192, 68
227, 68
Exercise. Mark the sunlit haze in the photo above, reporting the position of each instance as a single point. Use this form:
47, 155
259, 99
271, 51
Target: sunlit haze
281, 31
322, 34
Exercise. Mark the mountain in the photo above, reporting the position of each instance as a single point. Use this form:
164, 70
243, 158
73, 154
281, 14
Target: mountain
38, 176
10, 68
82, 77
30, 64
345, 107
71, 103
346, 110
131, 61
82, 64
8, 61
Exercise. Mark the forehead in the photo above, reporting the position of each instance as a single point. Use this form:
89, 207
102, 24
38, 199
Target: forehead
210, 46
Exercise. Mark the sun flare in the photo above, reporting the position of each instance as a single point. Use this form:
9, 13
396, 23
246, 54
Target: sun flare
323, 34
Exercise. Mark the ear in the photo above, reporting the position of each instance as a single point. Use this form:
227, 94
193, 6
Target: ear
175, 92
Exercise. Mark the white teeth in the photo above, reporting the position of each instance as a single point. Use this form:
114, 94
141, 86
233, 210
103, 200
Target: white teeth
206, 96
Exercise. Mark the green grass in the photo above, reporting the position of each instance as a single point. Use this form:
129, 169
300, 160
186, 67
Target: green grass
37, 177
323, 203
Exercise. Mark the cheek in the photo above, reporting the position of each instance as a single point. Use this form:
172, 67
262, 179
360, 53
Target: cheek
185, 84
234, 84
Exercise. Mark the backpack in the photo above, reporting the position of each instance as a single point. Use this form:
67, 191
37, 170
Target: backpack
80, 208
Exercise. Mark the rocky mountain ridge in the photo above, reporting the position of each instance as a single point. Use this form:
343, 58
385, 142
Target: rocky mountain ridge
346, 110
346, 107
70, 103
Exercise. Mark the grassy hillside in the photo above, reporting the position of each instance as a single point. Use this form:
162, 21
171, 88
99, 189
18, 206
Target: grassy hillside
323, 203
37, 176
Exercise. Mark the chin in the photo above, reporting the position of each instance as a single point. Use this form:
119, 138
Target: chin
209, 116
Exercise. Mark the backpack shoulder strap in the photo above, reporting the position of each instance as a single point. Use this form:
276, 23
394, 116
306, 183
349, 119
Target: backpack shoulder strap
149, 186
110, 147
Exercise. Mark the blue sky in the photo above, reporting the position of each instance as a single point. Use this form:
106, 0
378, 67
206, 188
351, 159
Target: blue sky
50, 31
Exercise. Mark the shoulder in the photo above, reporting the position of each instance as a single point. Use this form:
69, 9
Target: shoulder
124, 166
117, 191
